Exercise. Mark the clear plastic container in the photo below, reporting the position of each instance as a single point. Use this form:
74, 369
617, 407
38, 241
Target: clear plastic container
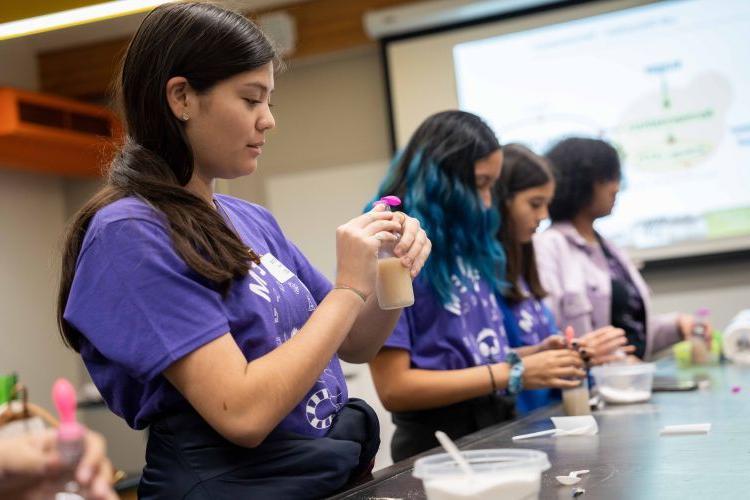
507, 474
624, 383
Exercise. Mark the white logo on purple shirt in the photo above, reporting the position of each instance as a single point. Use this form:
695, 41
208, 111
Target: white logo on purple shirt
526, 321
322, 402
471, 275
260, 287
489, 344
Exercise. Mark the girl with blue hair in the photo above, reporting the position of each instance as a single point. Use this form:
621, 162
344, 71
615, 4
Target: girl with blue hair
447, 365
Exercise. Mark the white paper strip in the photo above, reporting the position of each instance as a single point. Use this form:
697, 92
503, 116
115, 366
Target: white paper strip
685, 429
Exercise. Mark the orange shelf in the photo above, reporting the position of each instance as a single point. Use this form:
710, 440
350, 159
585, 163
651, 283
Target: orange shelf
44, 133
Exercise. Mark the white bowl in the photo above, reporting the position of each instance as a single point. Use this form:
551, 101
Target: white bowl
505, 474
624, 383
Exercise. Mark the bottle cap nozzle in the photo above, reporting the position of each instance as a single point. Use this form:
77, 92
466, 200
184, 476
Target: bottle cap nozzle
569, 334
64, 396
703, 312
391, 201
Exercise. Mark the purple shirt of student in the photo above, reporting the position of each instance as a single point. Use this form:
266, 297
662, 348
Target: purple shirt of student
140, 308
466, 332
534, 320
529, 322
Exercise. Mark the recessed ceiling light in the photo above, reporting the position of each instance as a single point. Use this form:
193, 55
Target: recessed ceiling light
73, 17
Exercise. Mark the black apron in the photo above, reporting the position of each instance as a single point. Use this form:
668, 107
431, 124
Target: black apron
415, 430
186, 458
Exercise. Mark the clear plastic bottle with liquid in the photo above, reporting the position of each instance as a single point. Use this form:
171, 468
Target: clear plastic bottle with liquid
576, 399
702, 339
393, 287
700, 324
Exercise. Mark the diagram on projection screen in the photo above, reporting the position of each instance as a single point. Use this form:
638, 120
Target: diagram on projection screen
667, 84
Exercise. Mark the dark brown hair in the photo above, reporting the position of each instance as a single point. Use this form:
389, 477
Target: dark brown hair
205, 44
578, 163
434, 177
522, 170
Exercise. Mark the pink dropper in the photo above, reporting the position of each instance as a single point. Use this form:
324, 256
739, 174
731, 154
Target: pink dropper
64, 396
569, 334
70, 437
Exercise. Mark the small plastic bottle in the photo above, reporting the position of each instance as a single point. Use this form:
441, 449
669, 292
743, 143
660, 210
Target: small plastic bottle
702, 339
70, 441
393, 287
575, 400
700, 325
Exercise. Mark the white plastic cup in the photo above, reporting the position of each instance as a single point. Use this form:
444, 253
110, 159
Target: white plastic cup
623, 384
505, 474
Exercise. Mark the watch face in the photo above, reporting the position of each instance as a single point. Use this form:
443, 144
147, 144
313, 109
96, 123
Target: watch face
512, 358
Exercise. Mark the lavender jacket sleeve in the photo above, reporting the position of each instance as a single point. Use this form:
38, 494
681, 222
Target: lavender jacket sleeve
563, 280
579, 287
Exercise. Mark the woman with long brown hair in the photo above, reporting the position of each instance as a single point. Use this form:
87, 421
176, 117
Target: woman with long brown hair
195, 316
522, 194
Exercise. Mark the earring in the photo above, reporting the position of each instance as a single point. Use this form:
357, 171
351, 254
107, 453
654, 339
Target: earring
185, 116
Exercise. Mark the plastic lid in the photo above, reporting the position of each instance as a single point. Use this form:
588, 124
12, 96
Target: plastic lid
482, 462
391, 201
623, 369
703, 312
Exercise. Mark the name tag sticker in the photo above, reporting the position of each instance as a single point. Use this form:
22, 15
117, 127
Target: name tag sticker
276, 268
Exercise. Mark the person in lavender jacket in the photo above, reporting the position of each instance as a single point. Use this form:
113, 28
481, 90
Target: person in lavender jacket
589, 281
522, 196
194, 314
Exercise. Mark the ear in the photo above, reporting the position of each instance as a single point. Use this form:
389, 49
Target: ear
178, 92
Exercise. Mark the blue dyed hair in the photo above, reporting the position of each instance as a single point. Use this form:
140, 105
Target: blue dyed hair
434, 177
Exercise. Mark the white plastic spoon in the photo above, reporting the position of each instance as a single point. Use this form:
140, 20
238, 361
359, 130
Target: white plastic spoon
571, 478
556, 432
452, 450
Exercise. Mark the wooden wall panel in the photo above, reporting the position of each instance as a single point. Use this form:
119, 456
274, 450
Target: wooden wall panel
84, 72
323, 26
329, 25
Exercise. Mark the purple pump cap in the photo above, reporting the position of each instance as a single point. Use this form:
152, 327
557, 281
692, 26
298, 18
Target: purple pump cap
391, 201
703, 312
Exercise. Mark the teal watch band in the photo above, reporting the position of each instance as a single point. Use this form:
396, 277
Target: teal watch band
515, 379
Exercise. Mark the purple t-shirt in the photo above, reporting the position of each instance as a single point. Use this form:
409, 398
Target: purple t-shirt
467, 332
140, 308
535, 322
